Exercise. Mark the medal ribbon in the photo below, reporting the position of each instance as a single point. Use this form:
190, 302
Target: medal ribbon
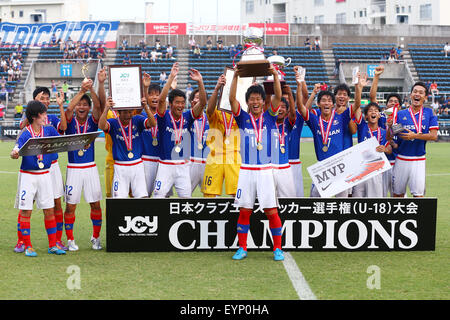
327, 133
258, 130
227, 125
40, 157
128, 139
378, 134
281, 137
418, 124
78, 126
177, 131
199, 132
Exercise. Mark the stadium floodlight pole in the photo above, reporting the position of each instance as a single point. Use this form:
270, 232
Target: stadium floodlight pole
168, 18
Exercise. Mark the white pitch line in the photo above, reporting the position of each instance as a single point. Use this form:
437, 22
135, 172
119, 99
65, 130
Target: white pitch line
302, 288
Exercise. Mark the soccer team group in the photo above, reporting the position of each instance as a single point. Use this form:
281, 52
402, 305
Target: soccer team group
255, 153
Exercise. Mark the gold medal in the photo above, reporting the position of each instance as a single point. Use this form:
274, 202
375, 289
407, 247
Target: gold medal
155, 142
259, 146
282, 149
200, 146
177, 149
80, 153
40, 165
227, 141
325, 148
130, 155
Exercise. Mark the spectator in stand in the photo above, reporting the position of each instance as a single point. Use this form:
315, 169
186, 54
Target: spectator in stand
219, 44
3, 93
153, 55
53, 40
337, 65
446, 49
2, 82
158, 45
233, 51
10, 74
2, 113
307, 44
162, 78
126, 59
197, 52
323, 87
18, 111
317, 43
209, 43
124, 44
392, 54
169, 52
434, 88
192, 43
144, 54
399, 53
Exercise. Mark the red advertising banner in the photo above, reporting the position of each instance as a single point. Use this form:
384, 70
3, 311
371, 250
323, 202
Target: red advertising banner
272, 28
163, 28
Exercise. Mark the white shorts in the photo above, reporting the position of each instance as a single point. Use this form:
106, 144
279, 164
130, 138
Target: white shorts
314, 193
284, 181
57, 180
372, 188
82, 177
297, 173
173, 174
387, 183
151, 169
34, 186
197, 171
256, 182
128, 175
409, 171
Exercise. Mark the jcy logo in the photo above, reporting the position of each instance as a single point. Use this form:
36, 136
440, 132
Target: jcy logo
140, 224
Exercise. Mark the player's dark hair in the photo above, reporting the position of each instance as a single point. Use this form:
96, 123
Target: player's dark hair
255, 89
422, 84
372, 104
39, 90
192, 96
342, 87
87, 98
325, 93
34, 109
154, 87
176, 93
394, 95
283, 99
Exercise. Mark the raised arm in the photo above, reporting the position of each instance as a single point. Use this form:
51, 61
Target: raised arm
300, 80
212, 102
103, 122
151, 121
197, 110
276, 98
62, 114
102, 74
234, 103
373, 89
85, 87
291, 111
166, 88
356, 107
146, 81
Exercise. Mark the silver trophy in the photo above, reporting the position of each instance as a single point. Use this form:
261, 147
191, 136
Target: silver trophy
397, 128
279, 62
253, 63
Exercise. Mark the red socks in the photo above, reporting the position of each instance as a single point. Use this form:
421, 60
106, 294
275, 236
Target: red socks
243, 225
25, 230
96, 218
69, 220
275, 228
59, 224
50, 227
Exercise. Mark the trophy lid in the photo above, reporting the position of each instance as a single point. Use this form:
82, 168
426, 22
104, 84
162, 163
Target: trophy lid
276, 59
254, 35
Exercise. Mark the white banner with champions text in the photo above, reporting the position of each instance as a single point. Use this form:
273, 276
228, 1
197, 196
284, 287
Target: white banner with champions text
348, 168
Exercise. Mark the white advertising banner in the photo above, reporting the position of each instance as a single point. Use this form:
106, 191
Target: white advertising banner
348, 168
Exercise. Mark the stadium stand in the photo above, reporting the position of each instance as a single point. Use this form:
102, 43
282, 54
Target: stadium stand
362, 51
212, 63
431, 64
12, 59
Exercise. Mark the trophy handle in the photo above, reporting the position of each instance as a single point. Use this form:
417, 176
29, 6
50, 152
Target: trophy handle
288, 62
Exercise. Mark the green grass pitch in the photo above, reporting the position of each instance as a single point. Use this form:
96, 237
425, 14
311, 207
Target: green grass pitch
214, 275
